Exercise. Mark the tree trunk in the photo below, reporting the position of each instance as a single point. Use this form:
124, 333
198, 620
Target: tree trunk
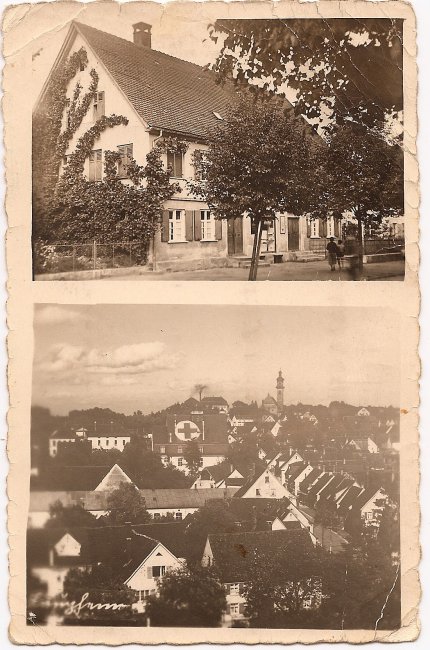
256, 251
360, 246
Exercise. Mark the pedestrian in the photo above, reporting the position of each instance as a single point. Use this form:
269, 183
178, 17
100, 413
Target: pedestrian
340, 252
332, 253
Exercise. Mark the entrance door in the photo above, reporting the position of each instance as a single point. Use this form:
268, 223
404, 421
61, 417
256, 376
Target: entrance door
293, 233
235, 236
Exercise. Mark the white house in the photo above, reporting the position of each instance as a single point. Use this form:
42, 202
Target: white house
145, 577
164, 97
265, 485
101, 436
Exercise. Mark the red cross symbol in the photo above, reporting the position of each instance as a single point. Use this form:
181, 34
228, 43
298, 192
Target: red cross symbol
188, 428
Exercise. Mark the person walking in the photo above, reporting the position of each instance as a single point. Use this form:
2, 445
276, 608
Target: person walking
332, 250
340, 252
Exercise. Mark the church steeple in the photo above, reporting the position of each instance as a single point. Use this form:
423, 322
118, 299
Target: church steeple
280, 392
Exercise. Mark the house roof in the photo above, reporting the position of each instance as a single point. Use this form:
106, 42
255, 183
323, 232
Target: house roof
214, 400
349, 499
168, 93
74, 477
234, 553
319, 484
365, 496
93, 429
310, 478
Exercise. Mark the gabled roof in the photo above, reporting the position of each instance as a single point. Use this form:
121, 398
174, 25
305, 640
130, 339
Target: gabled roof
310, 478
366, 496
167, 93
349, 499
214, 400
320, 484
234, 553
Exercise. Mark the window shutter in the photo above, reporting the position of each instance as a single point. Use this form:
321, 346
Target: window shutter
337, 227
218, 229
100, 104
188, 225
149, 571
308, 234
197, 225
178, 160
92, 169
99, 165
165, 226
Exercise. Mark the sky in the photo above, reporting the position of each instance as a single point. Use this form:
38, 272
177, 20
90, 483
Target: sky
147, 357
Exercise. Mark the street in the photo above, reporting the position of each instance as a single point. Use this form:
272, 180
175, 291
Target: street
288, 271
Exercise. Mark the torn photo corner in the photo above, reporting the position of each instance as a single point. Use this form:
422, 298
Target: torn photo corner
230, 456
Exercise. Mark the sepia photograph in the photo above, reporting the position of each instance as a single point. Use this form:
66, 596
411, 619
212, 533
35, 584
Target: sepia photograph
237, 149
191, 475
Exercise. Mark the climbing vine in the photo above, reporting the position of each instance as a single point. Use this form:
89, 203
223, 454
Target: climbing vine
70, 209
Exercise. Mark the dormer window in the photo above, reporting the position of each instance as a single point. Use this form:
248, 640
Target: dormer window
174, 162
98, 105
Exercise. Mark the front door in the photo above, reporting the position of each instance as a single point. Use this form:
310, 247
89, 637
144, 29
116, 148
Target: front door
235, 236
293, 233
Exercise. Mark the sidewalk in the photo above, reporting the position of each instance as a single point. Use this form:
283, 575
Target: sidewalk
288, 271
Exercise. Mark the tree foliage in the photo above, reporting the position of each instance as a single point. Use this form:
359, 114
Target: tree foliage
340, 69
126, 504
245, 171
214, 517
187, 598
61, 516
192, 457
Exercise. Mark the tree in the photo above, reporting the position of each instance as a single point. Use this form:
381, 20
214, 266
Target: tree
338, 69
146, 467
363, 177
214, 517
247, 172
61, 516
284, 589
126, 504
187, 598
193, 457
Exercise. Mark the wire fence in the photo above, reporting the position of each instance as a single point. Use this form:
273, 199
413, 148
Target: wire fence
60, 258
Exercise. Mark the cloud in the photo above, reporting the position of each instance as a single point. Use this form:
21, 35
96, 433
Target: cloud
126, 361
54, 314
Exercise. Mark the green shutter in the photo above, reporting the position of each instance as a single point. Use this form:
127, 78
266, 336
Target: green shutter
197, 225
218, 229
165, 226
189, 225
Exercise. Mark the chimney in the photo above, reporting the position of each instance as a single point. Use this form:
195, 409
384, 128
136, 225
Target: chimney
142, 34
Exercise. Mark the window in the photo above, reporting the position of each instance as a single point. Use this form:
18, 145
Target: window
179, 450
330, 227
180, 462
98, 106
208, 225
315, 228
234, 609
174, 161
126, 153
157, 515
176, 225
95, 170
234, 589
257, 493
162, 450
158, 571
178, 515
266, 479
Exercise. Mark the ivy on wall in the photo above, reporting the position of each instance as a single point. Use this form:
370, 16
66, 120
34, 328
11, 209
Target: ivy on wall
69, 209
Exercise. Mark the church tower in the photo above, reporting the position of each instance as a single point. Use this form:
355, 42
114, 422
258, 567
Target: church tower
280, 392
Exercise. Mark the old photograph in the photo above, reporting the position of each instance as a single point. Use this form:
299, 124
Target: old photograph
260, 149
185, 477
